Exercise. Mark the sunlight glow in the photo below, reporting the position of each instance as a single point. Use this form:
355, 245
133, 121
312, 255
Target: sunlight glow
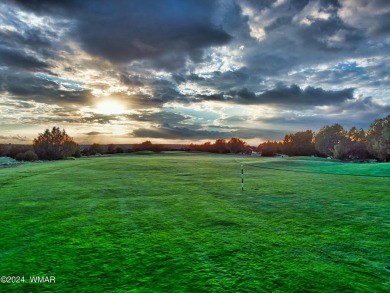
109, 108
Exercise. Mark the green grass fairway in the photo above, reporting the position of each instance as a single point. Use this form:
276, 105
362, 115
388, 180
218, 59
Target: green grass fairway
179, 222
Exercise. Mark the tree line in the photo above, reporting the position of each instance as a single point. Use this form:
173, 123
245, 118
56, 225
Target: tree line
337, 142
330, 141
50, 145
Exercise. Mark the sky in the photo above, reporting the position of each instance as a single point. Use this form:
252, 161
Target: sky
179, 71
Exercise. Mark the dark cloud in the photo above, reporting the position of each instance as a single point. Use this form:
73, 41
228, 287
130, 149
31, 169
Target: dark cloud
161, 91
20, 59
27, 37
194, 77
319, 36
174, 132
26, 86
243, 96
234, 79
92, 133
367, 104
296, 36
32, 40
283, 95
178, 78
218, 81
167, 125
291, 121
33, 114
372, 17
327, 3
294, 95
341, 74
42, 6
260, 5
132, 81
382, 27
192, 132
165, 91
360, 112
213, 97
161, 117
95, 118
121, 31
143, 101
24, 46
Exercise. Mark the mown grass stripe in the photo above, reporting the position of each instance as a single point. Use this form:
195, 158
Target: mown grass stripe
311, 172
133, 223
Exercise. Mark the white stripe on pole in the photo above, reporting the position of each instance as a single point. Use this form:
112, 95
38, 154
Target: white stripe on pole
242, 177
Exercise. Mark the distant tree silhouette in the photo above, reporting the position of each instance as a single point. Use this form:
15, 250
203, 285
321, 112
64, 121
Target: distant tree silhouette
270, 148
299, 143
4, 150
220, 146
54, 145
111, 149
13, 150
144, 146
237, 145
378, 139
94, 149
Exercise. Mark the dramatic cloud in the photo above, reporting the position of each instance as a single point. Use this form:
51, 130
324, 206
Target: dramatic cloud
167, 32
20, 59
25, 86
175, 132
293, 95
161, 117
372, 16
196, 69
282, 95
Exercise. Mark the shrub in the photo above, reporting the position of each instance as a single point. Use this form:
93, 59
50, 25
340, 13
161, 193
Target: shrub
30, 156
19, 157
27, 156
77, 154
14, 150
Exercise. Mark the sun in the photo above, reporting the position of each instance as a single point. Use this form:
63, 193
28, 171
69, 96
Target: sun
109, 108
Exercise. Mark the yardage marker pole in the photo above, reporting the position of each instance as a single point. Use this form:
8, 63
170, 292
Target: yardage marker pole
242, 177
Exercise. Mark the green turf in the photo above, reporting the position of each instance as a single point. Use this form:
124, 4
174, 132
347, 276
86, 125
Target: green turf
178, 222
320, 165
